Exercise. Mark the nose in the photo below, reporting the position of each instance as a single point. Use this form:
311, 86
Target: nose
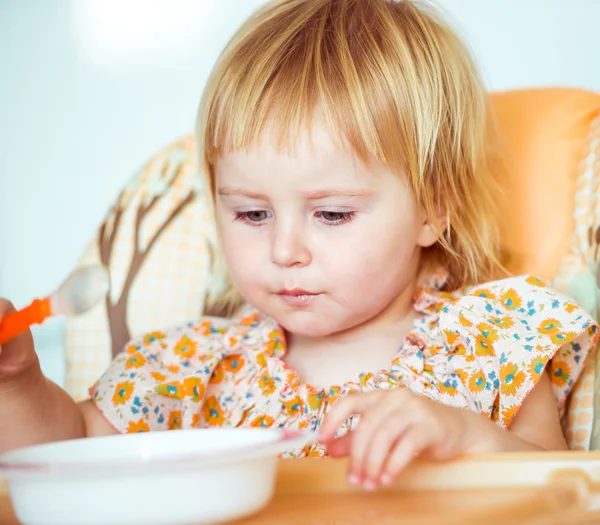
288, 247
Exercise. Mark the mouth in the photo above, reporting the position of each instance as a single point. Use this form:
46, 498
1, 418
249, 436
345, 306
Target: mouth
298, 297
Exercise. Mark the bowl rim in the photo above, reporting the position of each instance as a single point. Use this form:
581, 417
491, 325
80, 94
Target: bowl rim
284, 440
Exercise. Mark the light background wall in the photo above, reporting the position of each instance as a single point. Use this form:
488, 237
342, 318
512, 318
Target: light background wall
89, 89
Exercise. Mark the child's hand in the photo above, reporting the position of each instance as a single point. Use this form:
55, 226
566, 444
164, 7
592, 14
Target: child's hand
395, 426
17, 356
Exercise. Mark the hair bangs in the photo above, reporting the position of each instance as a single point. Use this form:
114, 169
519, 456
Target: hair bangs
317, 66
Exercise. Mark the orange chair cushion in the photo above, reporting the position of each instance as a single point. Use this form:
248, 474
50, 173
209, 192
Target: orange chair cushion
543, 139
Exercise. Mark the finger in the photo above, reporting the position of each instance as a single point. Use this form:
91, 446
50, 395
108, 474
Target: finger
381, 445
6, 307
342, 410
416, 440
340, 447
15, 360
371, 423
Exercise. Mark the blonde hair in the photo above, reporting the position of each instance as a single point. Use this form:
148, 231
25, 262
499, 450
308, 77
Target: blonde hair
392, 80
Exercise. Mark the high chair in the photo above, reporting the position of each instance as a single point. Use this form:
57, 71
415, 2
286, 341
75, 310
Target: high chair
550, 156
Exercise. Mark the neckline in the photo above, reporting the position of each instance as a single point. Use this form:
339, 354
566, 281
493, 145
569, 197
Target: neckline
427, 302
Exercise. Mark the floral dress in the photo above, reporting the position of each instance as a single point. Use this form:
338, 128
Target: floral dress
479, 348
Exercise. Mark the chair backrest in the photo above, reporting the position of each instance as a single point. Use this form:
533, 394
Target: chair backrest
545, 134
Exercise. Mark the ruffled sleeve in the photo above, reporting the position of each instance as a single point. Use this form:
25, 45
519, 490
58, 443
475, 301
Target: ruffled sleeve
499, 338
159, 382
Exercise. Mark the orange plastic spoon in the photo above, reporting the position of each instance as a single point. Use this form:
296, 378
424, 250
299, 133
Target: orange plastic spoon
82, 290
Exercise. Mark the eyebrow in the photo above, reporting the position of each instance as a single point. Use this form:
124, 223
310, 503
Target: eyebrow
311, 195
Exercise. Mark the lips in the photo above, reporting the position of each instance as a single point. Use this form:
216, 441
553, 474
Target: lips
298, 297
296, 292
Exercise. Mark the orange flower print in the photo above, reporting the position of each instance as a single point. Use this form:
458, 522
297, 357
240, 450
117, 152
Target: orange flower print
175, 420
511, 378
462, 374
313, 451
261, 359
508, 414
535, 282
460, 349
122, 393
477, 381
436, 349
185, 347
561, 338
536, 367
205, 328
448, 387
213, 413
451, 336
437, 307
217, 375
291, 379
485, 339
266, 384
495, 409
549, 326
275, 341
242, 422
262, 421
294, 406
251, 319
464, 321
234, 363
157, 376
571, 307
137, 426
174, 369
511, 299
334, 393
483, 292
365, 378
193, 388
174, 390
136, 360
502, 322
560, 373
483, 347
153, 337
131, 348
196, 421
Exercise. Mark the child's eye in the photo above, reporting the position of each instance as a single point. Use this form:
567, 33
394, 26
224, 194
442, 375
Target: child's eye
335, 218
253, 217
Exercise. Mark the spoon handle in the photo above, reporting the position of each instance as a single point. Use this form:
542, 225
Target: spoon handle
17, 322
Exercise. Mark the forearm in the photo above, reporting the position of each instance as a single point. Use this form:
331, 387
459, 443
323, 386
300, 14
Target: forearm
506, 441
34, 410
494, 439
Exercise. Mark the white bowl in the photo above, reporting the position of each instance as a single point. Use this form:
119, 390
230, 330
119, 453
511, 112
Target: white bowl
181, 477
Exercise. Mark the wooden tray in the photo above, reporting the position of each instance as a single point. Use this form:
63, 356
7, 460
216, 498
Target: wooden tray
530, 488
506, 489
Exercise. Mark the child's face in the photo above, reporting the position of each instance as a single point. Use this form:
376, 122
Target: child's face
318, 240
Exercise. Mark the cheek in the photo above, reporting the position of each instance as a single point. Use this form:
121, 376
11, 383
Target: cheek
375, 250
378, 261
241, 250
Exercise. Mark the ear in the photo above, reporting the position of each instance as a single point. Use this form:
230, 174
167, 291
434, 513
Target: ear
431, 230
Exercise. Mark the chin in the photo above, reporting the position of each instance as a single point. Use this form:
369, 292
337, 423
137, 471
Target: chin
307, 324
